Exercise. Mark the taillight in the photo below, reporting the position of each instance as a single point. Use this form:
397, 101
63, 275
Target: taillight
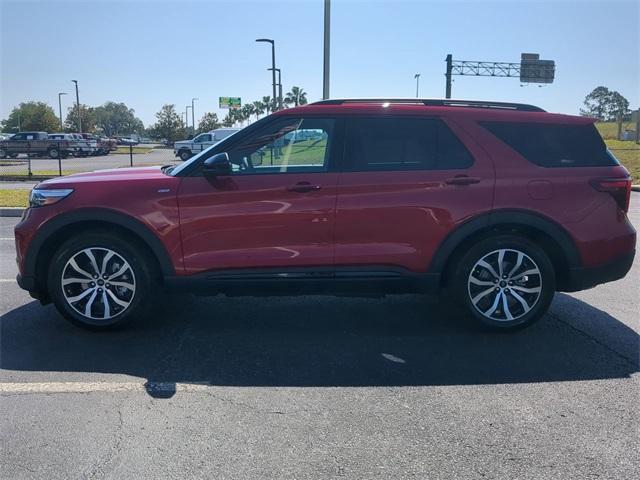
618, 188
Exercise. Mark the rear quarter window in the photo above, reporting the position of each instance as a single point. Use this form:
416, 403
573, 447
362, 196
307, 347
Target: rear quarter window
554, 145
391, 143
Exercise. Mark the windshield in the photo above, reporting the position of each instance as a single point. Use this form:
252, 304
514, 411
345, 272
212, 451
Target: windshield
196, 158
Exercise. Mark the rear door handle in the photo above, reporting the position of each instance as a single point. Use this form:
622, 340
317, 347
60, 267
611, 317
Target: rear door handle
462, 180
303, 187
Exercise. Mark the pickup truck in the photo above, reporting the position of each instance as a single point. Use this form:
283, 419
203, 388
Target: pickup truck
185, 149
82, 147
103, 145
37, 144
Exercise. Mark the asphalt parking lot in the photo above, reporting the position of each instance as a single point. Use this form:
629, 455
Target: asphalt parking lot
19, 166
321, 387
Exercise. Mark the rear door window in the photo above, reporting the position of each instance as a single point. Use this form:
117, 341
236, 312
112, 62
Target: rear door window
554, 145
375, 144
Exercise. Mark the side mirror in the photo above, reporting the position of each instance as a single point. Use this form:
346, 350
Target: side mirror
216, 165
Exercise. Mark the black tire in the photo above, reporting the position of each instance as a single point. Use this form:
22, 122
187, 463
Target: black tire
473, 283
53, 152
13, 155
3, 153
142, 276
185, 155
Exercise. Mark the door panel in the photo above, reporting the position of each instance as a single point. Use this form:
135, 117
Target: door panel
276, 208
257, 221
399, 217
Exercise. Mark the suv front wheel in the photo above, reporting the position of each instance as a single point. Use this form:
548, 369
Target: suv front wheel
100, 281
506, 282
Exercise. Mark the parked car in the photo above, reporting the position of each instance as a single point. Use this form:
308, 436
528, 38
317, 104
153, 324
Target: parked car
126, 141
36, 144
81, 147
103, 145
499, 204
185, 149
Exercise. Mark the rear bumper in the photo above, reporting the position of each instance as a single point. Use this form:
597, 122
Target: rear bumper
586, 277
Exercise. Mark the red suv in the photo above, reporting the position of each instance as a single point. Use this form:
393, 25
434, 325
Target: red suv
501, 204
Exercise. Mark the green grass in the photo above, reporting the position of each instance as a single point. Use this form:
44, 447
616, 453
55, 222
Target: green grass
14, 198
609, 130
629, 155
125, 150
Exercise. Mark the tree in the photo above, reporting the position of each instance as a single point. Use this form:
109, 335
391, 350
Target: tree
208, 122
34, 116
169, 124
231, 118
87, 116
117, 119
297, 96
617, 106
258, 108
268, 104
604, 104
246, 111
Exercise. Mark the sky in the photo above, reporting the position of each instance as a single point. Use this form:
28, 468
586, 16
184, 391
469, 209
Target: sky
149, 53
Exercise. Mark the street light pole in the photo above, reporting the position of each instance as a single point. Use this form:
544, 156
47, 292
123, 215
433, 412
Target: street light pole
417, 77
186, 116
60, 108
280, 104
273, 62
78, 105
193, 114
327, 45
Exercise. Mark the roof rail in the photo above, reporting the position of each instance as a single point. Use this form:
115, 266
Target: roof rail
436, 102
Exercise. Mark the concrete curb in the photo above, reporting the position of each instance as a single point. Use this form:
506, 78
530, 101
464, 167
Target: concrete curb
11, 211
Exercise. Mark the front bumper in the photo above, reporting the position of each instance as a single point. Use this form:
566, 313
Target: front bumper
586, 277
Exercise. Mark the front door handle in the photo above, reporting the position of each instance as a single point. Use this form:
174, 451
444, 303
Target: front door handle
304, 187
462, 180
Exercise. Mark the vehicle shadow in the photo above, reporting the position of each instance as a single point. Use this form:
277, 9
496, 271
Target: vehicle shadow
313, 341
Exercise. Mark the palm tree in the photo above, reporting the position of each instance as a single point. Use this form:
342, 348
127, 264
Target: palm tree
268, 104
247, 111
297, 96
258, 108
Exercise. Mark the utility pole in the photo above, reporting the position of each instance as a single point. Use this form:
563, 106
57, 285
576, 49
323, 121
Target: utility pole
327, 49
447, 75
280, 104
60, 108
193, 115
273, 63
78, 106
186, 116
417, 77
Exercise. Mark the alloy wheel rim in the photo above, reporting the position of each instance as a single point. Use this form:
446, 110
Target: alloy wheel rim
504, 285
98, 283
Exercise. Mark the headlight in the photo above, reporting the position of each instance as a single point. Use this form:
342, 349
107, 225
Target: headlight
41, 197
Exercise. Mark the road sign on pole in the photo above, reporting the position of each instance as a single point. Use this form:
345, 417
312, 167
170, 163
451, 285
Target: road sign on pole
230, 102
534, 70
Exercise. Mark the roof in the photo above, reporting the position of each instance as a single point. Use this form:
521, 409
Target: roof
474, 109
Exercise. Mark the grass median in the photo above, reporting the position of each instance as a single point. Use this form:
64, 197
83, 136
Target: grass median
14, 198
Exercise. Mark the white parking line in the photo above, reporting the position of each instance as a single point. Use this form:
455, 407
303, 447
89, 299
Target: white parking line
6, 238
7, 280
91, 387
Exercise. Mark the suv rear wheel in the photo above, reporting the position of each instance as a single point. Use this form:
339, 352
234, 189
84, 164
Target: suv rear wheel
506, 282
185, 155
100, 281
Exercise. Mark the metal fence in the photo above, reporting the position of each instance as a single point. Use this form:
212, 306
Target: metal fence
30, 167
